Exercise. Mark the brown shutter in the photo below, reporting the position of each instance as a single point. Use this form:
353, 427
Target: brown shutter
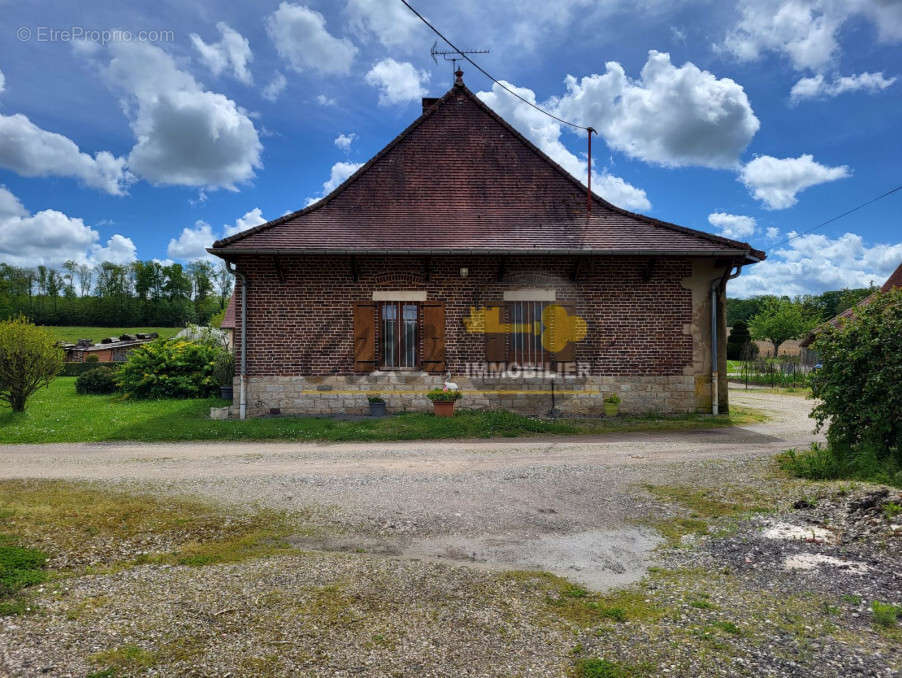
433, 336
496, 343
364, 337
568, 353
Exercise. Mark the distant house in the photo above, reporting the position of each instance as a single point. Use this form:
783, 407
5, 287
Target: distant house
808, 355
228, 321
109, 350
461, 251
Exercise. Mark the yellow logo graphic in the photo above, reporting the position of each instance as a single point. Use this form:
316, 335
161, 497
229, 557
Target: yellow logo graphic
557, 327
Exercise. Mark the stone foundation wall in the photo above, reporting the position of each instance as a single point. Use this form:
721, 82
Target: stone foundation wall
406, 392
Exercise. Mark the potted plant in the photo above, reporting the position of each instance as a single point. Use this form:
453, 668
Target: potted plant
224, 374
377, 405
443, 400
611, 405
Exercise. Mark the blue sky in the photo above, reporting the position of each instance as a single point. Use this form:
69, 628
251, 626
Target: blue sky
149, 130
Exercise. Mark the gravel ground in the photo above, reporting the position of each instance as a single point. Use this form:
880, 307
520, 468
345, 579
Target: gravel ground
404, 573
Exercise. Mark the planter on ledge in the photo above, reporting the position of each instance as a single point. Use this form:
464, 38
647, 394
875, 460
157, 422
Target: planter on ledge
227, 392
443, 408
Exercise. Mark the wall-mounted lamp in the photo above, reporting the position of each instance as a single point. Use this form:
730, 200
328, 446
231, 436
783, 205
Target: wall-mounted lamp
464, 272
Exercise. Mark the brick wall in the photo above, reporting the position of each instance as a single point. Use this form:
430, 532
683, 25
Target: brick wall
300, 319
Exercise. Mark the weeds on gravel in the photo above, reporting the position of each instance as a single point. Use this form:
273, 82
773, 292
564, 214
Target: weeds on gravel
703, 505
19, 568
576, 605
81, 525
885, 615
821, 462
129, 658
604, 668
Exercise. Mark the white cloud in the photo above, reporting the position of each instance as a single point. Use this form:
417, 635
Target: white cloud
818, 87
275, 87
31, 151
773, 232
618, 192
185, 135
344, 141
398, 82
815, 263
323, 100
670, 116
805, 31
50, 238
546, 134
391, 22
2, 81
777, 181
249, 220
193, 241
233, 50
300, 37
733, 226
339, 173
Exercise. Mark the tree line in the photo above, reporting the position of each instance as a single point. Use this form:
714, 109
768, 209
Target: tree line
817, 307
141, 293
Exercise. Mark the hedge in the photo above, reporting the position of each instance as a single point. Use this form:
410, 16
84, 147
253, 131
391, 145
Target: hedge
76, 369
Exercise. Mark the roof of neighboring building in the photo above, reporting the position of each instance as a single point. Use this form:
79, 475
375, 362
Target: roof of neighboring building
461, 179
228, 320
894, 281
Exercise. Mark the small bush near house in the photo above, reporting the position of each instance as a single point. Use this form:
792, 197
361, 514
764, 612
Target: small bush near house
171, 368
98, 381
92, 359
29, 360
859, 389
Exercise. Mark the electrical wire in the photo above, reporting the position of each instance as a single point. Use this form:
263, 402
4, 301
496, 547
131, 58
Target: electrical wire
489, 76
838, 216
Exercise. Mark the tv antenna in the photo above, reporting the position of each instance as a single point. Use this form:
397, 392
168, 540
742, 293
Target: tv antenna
453, 55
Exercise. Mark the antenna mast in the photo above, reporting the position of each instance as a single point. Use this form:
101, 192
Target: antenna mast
453, 55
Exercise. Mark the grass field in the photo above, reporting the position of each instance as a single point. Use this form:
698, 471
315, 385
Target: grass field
58, 414
73, 334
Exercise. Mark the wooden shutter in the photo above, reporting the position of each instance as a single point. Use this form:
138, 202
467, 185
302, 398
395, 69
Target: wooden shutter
433, 336
568, 353
364, 337
496, 343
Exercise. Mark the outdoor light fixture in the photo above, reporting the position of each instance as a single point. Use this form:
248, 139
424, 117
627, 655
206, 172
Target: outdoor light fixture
464, 272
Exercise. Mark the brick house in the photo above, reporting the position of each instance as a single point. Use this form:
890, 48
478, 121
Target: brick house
462, 251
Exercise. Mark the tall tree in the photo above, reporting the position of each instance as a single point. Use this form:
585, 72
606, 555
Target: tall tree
780, 320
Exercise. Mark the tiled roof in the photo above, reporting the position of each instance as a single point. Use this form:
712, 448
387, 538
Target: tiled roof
460, 179
894, 281
228, 319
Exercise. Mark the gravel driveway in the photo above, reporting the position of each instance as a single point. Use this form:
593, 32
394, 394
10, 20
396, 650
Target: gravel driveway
565, 505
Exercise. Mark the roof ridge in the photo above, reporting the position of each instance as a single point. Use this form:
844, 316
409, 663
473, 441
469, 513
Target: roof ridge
461, 88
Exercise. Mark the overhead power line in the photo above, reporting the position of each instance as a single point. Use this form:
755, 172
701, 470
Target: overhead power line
839, 216
490, 77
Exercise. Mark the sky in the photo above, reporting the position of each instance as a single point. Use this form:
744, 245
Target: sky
148, 130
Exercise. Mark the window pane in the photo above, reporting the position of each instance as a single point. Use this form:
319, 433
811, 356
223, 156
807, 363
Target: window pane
389, 335
409, 345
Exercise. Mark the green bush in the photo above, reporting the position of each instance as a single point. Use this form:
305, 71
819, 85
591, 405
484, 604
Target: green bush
76, 369
171, 368
443, 395
29, 359
98, 381
859, 386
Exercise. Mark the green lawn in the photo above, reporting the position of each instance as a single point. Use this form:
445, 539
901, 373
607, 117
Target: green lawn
58, 414
73, 334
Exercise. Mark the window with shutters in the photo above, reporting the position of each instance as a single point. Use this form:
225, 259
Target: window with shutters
398, 334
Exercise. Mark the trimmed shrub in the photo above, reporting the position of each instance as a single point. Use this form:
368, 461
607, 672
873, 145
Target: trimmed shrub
77, 369
99, 381
171, 368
